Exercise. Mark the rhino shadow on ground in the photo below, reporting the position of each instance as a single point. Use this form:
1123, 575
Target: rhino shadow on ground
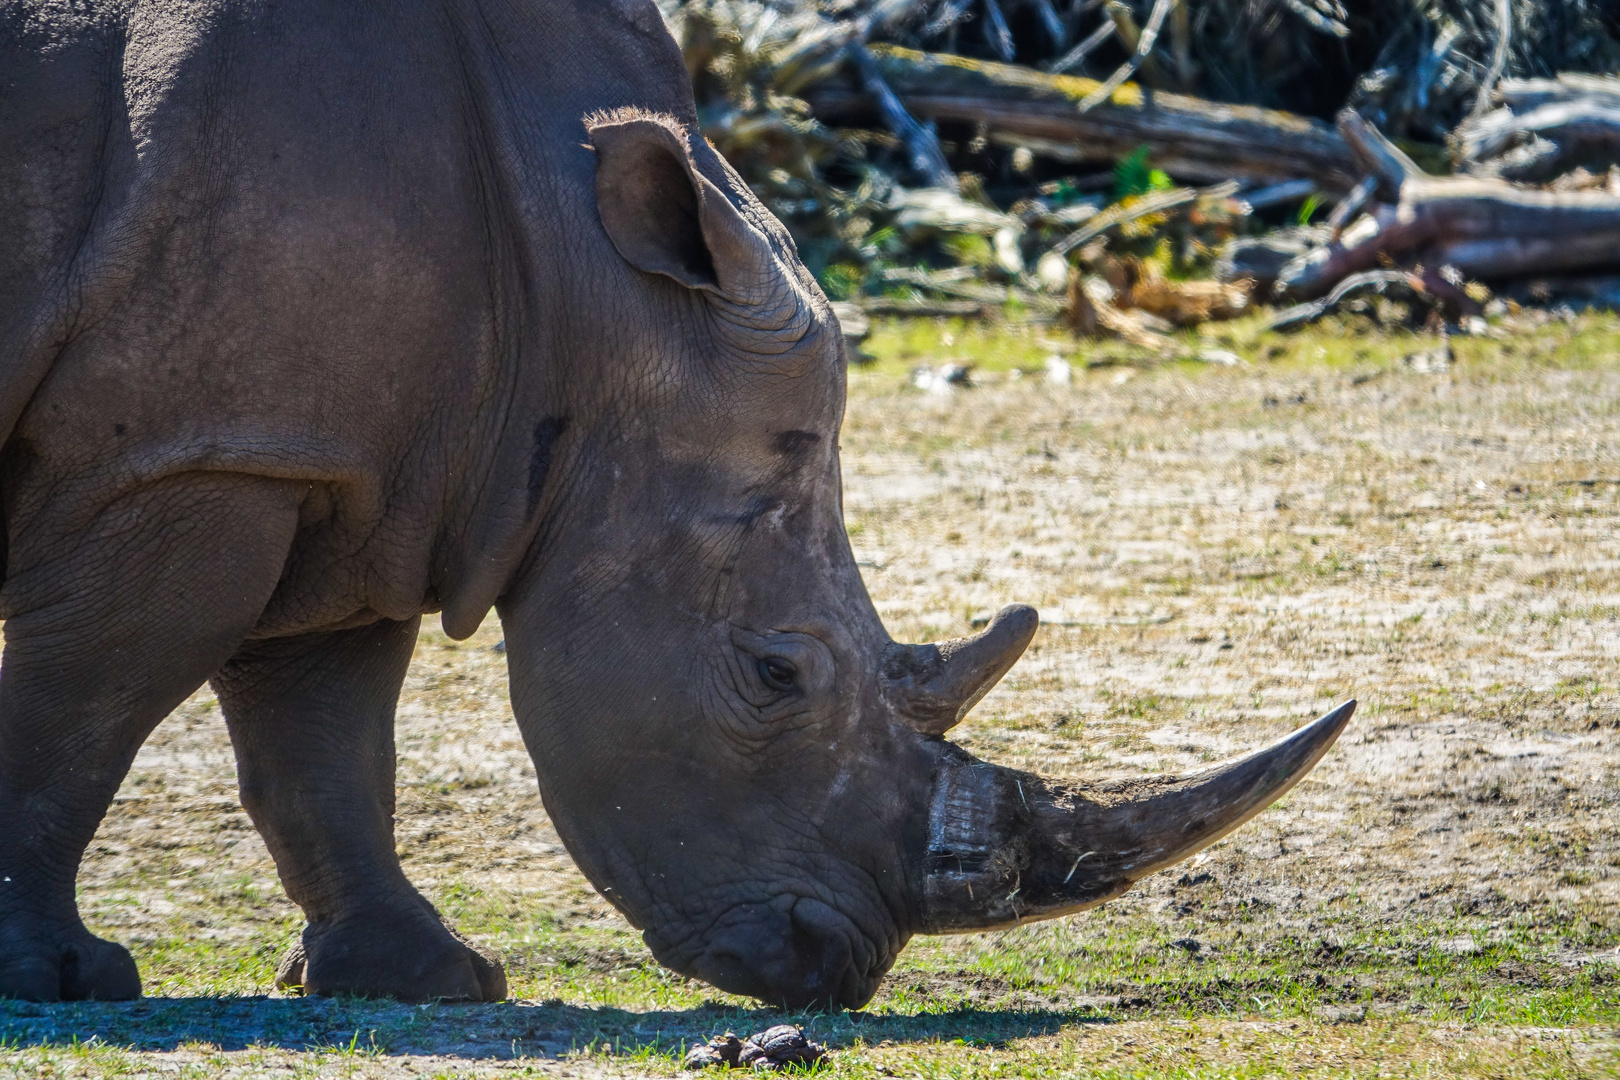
503, 1030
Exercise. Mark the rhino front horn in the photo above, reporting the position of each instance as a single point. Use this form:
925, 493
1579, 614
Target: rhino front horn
1007, 847
932, 687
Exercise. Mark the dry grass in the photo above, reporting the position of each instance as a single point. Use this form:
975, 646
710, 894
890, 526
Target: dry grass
1223, 554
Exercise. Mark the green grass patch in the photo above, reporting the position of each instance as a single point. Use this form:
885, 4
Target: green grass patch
1028, 1002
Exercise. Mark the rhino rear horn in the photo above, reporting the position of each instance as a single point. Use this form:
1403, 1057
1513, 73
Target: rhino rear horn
932, 687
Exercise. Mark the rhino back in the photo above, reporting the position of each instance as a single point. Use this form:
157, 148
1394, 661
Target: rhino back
331, 242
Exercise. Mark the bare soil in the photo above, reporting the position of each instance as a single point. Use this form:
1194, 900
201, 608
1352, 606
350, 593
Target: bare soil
1218, 556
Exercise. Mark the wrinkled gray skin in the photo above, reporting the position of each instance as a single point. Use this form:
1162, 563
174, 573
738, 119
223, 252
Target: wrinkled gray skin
316, 317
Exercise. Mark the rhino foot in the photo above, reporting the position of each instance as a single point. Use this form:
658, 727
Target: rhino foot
77, 966
414, 959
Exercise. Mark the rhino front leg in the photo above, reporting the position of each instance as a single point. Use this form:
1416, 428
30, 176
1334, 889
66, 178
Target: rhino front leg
312, 720
110, 628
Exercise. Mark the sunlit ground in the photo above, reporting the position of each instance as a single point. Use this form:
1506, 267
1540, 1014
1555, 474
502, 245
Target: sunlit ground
1220, 553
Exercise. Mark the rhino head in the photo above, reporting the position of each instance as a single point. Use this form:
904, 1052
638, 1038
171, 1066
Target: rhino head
734, 750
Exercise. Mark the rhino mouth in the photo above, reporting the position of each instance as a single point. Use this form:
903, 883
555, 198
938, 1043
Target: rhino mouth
793, 951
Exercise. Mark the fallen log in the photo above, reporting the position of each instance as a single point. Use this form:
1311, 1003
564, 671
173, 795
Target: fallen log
1090, 313
1563, 134
1497, 131
947, 283
1289, 191
1187, 137
923, 308
1545, 128
1487, 229
1521, 95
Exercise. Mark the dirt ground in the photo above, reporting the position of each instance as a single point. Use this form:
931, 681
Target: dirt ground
1218, 555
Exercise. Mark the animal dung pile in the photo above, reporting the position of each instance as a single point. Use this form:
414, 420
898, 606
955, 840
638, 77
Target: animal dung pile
1134, 166
773, 1048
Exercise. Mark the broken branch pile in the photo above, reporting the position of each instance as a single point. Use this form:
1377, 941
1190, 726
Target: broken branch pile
1485, 228
1545, 128
959, 156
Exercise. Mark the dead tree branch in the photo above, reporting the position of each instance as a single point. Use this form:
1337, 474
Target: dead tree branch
1187, 137
1487, 229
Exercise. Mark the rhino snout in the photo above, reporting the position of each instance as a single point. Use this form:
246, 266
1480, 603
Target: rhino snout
795, 952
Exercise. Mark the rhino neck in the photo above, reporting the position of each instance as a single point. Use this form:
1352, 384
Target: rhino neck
556, 287
487, 552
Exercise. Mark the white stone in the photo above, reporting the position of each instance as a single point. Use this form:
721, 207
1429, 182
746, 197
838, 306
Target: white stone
1052, 272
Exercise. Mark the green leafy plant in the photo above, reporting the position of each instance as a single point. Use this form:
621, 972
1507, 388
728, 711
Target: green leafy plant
969, 249
1134, 176
1309, 207
842, 280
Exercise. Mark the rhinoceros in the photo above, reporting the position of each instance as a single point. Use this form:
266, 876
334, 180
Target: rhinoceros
317, 317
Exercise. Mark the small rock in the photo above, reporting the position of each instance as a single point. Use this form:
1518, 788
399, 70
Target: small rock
1058, 371
499, 646
923, 378
1052, 272
702, 1056
944, 379
1188, 945
1222, 357
1008, 257
1431, 361
1458, 946
1340, 1014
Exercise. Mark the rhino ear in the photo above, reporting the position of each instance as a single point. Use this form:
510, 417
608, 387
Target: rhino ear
665, 217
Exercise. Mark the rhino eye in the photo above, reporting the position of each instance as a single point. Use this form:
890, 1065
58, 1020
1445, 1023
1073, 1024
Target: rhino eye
777, 673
